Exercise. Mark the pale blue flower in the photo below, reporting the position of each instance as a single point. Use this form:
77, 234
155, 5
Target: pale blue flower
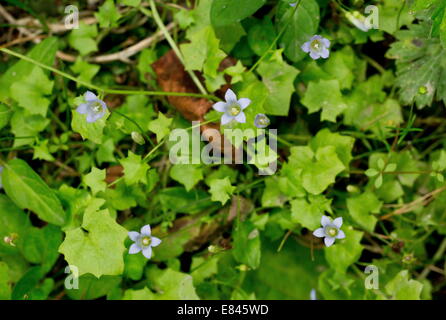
261, 121
144, 241
93, 107
1, 171
317, 46
232, 108
293, 4
330, 231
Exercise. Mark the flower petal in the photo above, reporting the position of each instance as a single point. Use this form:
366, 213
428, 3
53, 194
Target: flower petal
325, 53
326, 42
147, 252
306, 47
338, 222
244, 103
241, 117
146, 230
91, 117
155, 242
134, 248
220, 106
230, 96
90, 96
82, 108
329, 241
319, 233
341, 235
314, 55
133, 235
325, 221
225, 119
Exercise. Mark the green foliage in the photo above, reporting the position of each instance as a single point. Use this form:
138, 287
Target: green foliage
360, 136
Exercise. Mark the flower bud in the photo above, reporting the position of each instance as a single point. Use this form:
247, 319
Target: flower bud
138, 138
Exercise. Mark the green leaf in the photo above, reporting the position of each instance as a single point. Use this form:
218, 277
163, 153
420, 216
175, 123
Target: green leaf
14, 223
318, 169
361, 207
108, 15
135, 169
278, 77
345, 252
227, 12
371, 172
299, 28
85, 70
29, 191
309, 212
187, 174
137, 108
420, 61
286, 275
82, 39
91, 288
202, 53
98, 246
5, 115
30, 92
342, 144
393, 14
95, 180
105, 152
221, 190
325, 95
403, 288
40, 246
44, 52
5, 288
247, 244
41, 151
88, 130
23, 125
160, 126
261, 35
141, 294
132, 3
172, 285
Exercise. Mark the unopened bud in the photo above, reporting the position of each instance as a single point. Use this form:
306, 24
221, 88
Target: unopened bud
138, 138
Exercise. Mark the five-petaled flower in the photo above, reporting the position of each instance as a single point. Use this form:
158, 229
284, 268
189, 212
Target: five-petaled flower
93, 107
232, 108
144, 241
330, 231
317, 46
261, 121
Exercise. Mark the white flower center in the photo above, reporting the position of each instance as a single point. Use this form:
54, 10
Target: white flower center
316, 45
96, 107
234, 110
146, 241
331, 231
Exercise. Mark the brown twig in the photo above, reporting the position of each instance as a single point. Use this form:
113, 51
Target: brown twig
424, 200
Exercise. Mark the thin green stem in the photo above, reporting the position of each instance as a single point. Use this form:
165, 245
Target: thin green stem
106, 90
273, 44
171, 42
136, 124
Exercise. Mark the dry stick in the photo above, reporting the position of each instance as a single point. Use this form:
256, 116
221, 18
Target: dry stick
409, 206
124, 54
